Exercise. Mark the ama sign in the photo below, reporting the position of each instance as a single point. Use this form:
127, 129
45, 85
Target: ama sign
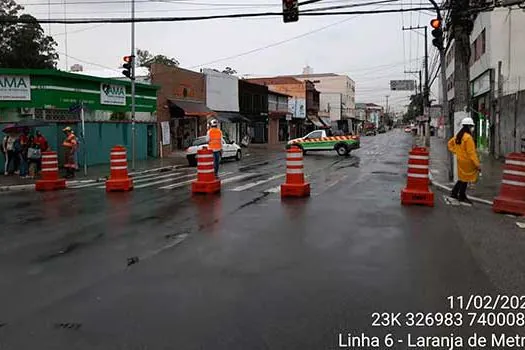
15, 88
112, 94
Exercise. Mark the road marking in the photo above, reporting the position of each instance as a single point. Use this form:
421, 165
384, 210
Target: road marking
162, 181
275, 189
170, 167
257, 183
181, 184
156, 177
235, 178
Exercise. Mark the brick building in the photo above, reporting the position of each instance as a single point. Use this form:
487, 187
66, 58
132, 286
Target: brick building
181, 101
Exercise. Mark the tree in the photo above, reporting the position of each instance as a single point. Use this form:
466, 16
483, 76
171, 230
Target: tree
415, 108
146, 59
229, 70
24, 45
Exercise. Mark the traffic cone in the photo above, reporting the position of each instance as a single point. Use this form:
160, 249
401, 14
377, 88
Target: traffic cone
295, 185
50, 180
206, 181
417, 190
511, 199
119, 179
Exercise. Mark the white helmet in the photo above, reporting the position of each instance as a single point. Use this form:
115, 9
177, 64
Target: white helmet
214, 122
467, 121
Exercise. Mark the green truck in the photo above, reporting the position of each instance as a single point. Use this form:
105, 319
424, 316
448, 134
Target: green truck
320, 140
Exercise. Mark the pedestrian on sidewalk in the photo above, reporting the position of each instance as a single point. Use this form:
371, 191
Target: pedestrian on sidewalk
9, 146
463, 146
70, 148
214, 138
24, 147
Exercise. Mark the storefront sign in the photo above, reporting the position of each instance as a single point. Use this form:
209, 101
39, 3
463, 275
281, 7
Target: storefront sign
15, 88
112, 94
297, 107
166, 136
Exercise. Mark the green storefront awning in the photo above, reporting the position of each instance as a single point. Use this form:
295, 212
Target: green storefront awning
47, 88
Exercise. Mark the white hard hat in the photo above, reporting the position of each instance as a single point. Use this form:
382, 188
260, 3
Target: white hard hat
214, 122
468, 121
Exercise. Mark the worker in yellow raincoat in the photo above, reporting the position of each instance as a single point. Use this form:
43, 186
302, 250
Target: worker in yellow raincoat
463, 146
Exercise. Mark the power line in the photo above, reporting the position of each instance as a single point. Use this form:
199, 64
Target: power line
6, 19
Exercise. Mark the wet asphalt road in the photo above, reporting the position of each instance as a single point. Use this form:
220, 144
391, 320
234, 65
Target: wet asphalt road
159, 269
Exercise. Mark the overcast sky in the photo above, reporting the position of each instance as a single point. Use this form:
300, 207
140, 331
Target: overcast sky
370, 49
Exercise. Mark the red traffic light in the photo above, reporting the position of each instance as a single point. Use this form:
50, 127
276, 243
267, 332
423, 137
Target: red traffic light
435, 23
128, 59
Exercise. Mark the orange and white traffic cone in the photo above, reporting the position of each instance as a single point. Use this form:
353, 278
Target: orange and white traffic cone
50, 180
511, 199
206, 181
119, 179
417, 190
295, 185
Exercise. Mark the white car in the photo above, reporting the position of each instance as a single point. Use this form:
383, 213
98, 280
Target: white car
229, 150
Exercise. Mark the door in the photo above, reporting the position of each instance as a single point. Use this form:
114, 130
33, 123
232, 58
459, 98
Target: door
150, 141
226, 149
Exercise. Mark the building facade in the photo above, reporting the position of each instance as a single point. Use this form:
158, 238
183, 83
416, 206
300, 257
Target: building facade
337, 97
497, 80
303, 103
55, 99
279, 118
181, 105
253, 106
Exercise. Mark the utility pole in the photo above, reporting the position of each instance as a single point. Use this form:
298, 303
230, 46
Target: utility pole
133, 133
426, 101
387, 96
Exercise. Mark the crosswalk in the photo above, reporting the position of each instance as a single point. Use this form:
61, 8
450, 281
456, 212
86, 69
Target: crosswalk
180, 178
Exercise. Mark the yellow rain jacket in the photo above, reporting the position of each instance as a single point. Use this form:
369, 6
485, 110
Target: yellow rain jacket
467, 158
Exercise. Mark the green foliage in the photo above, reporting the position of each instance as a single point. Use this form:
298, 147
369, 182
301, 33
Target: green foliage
24, 45
146, 59
415, 108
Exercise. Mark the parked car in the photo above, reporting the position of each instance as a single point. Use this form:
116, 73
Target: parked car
229, 150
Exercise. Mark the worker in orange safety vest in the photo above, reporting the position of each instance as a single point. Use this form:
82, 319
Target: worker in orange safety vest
70, 145
214, 138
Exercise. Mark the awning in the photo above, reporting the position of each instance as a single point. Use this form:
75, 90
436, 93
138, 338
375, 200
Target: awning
231, 117
189, 108
317, 121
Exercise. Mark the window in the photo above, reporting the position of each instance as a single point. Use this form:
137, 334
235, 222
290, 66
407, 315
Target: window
314, 135
478, 48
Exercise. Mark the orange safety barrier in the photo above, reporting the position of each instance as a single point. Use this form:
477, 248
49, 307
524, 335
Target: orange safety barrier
206, 181
50, 180
417, 190
119, 179
511, 199
295, 185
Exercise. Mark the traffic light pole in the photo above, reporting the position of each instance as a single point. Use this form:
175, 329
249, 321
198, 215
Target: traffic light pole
133, 134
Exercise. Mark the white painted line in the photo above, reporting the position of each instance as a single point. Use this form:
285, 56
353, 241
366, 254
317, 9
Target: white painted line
140, 177
147, 171
180, 184
169, 176
474, 199
235, 178
93, 184
157, 177
162, 181
275, 189
257, 183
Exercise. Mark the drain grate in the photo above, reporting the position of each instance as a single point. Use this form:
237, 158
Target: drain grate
71, 326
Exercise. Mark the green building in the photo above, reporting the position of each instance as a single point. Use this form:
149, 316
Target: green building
58, 99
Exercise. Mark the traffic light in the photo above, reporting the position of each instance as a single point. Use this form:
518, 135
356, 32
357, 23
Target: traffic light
290, 11
128, 67
437, 33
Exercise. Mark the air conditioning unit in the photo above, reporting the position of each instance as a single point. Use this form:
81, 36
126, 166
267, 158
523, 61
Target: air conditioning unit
27, 111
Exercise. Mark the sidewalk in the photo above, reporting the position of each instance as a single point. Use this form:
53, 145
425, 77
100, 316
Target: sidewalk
102, 171
488, 185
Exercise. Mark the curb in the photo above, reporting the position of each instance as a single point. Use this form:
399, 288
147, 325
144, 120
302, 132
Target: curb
474, 199
17, 188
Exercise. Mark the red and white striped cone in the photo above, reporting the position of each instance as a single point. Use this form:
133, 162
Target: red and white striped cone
511, 199
206, 181
50, 180
417, 190
119, 179
295, 186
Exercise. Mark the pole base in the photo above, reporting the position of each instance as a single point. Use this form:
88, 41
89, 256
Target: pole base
119, 185
50, 185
